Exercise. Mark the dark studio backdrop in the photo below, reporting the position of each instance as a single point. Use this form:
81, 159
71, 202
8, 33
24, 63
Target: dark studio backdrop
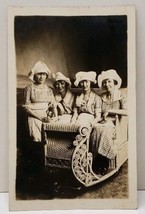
71, 44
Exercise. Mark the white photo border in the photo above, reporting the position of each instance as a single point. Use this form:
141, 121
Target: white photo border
131, 201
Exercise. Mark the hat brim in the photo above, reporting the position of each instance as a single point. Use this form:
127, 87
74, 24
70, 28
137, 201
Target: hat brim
76, 82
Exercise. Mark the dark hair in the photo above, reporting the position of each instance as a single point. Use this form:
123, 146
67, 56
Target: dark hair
66, 84
39, 73
115, 82
91, 85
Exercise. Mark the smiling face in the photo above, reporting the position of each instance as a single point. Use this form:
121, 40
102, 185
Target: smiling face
108, 85
85, 85
40, 78
61, 86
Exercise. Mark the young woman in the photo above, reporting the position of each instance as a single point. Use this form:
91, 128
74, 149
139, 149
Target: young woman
103, 135
37, 98
87, 108
64, 97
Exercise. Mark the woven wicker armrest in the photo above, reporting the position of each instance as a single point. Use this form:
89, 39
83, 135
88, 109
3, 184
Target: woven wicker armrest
60, 127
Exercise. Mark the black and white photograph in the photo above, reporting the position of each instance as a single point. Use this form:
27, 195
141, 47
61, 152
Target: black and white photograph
72, 108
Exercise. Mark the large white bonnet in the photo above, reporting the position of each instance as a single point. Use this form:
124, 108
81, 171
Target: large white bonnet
39, 67
109, 74
82, 75
60, 76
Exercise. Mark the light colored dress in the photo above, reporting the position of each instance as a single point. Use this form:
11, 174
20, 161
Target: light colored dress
103, 135
66, 106
87, 108
37, 99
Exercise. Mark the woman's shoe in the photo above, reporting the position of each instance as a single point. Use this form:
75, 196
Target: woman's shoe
104, 171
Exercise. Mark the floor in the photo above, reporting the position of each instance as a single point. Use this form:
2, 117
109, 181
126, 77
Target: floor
62, 184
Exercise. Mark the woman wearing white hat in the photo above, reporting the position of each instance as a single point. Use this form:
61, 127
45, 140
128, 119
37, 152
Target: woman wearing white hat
88, 104
37, 97
64, 97
102, 139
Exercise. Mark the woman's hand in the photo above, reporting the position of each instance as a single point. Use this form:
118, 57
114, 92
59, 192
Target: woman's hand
104, 118
49, 119
46, 119
74, 116
97, 117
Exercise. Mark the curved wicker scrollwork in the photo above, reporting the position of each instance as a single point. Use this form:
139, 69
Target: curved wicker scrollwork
82, 158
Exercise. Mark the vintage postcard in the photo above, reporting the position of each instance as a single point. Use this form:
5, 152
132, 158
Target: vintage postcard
72, 108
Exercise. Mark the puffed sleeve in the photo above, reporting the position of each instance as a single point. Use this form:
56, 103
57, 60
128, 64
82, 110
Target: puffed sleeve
27, 95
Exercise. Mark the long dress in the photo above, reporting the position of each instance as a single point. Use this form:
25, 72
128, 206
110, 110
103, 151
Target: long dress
37, 99
103, 134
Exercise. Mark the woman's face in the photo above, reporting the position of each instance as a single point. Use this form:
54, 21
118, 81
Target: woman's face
61, 86
85, 85
40, 78
108, 85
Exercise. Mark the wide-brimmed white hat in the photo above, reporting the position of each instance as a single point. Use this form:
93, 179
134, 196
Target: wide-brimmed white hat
39, 67
59, 76
82, 75
109, 74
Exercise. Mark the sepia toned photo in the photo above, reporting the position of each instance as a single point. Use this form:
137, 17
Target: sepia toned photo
72, 123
